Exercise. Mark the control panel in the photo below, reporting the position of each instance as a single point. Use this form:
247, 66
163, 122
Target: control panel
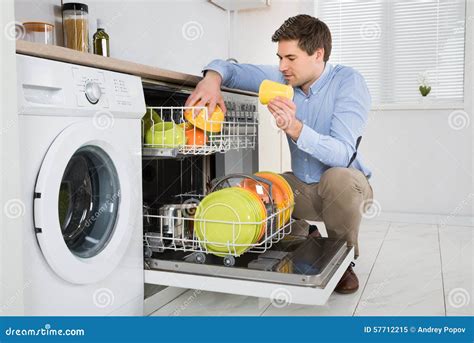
122, 92
53, 88
90, 87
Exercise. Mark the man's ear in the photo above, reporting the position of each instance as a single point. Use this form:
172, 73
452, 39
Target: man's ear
319, 54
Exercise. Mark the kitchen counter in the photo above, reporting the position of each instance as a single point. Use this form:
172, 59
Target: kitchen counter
146, 72
58, 53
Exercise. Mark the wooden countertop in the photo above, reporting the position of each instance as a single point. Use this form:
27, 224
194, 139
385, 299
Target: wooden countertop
58, 53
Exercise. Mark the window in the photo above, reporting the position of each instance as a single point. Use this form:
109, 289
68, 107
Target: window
392, 42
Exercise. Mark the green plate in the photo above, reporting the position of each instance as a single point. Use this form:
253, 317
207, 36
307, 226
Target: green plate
230, 205
226, 205
246, 195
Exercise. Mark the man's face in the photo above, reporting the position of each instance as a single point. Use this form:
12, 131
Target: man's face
297, 66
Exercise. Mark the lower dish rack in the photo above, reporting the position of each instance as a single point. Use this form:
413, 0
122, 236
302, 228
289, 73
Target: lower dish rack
180, 236
179, 228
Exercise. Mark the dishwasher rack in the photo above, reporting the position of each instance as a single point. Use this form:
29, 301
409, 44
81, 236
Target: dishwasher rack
161, 239
239, 131
176, 232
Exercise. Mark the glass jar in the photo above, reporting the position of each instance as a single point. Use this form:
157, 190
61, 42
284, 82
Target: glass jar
76, 26
39, 32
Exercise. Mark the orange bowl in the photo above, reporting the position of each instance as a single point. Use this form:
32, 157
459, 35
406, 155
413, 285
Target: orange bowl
195, 136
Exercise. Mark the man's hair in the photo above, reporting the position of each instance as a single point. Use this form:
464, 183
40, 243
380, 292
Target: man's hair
310, 32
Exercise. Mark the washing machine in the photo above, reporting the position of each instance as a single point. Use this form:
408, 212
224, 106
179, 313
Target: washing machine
80, 157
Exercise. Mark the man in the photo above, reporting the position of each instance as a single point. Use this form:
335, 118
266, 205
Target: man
323, 124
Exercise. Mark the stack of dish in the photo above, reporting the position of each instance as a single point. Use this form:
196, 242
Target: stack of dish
230, 221
282, 194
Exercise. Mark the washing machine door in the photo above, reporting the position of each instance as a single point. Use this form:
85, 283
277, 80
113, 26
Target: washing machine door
84, 204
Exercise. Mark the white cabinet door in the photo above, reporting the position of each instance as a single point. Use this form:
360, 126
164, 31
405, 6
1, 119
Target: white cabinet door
269, 141
285, 155
273, 149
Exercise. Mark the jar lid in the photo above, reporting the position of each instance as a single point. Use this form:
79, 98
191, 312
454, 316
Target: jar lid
76, 6
38, 26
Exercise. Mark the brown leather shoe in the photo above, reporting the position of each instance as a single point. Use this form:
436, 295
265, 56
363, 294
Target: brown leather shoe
349, 282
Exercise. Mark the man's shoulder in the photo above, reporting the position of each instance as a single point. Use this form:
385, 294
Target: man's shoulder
342, 71
347, 75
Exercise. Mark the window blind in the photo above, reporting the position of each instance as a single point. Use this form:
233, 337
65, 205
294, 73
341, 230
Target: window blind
392, 42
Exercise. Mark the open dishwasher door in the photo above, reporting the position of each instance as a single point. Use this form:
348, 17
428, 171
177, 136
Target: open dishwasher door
295, 270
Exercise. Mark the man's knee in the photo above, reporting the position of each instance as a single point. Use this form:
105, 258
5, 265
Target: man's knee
338, 182
336, 177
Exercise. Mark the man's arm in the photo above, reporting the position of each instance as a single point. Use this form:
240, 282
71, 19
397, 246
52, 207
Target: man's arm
348, 123
243, 76
240, 76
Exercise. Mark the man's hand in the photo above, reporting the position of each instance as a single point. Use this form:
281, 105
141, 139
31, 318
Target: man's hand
208, 92
284, 112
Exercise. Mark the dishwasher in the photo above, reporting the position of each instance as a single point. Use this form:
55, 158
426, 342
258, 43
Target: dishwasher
281, 266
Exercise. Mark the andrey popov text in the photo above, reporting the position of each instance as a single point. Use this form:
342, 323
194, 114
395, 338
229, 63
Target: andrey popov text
414, 329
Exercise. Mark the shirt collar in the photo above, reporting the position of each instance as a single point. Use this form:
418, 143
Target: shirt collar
316, 86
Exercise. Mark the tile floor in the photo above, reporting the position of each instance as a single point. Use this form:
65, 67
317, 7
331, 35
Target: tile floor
404, 270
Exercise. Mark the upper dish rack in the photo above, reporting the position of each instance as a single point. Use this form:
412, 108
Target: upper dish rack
237, 130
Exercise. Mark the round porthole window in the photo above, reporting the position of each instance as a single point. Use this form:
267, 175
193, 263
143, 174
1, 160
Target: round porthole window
89, 198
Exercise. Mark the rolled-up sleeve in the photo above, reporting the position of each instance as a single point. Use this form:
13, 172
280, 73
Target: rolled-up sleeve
349, 119
244, 76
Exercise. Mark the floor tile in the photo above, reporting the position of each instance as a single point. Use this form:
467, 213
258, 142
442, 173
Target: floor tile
406, 278
202, 303
457, 256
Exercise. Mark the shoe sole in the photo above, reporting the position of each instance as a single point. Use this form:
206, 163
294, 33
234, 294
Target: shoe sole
346, 291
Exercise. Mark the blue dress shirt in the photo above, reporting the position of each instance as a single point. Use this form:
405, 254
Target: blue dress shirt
334, 114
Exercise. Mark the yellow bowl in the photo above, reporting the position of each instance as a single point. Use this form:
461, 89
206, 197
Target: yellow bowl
270, 89
214, 124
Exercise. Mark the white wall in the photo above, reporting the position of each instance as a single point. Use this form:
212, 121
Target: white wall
12, 209
179, 35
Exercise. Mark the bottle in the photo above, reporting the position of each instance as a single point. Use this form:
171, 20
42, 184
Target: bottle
101, 40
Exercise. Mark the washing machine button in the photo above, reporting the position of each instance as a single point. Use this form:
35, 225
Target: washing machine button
93, 92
